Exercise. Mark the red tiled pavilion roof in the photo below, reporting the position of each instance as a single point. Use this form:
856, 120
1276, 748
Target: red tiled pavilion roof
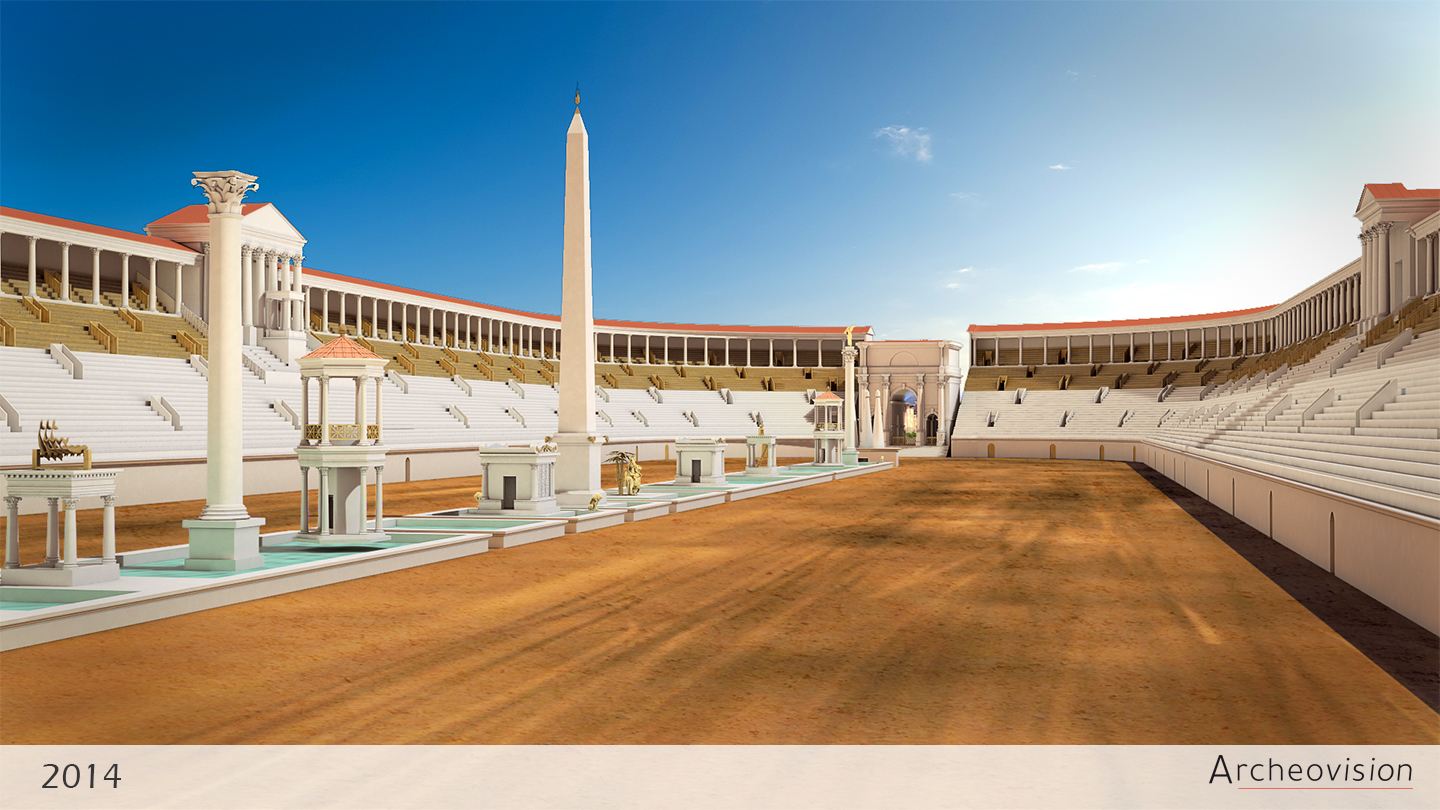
343, 346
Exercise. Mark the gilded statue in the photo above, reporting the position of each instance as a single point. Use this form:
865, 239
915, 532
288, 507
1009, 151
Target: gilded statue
57, 448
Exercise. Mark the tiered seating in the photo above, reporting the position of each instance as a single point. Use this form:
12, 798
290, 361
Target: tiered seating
1371, 429
159, 334
108, 409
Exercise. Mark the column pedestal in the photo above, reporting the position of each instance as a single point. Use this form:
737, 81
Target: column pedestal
577, 469
224, 545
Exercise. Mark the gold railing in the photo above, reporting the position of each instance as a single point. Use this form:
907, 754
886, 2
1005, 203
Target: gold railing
489, 375
132, 319
406, 363
36, 308
7, 333
410, 348
189, 343
450, 354
105, 337
450, 368
367, 344
342, 433
485, 358
141, 294
550, 378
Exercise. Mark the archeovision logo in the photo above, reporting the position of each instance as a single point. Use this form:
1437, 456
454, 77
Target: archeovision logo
1351, 774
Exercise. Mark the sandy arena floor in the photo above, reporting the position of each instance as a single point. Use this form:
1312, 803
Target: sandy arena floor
944, 602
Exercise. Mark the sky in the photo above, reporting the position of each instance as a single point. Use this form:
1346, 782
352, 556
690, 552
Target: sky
915, 167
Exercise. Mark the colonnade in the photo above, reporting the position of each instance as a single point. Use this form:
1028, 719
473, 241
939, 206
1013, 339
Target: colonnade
270, 290
153, 265
1340, 303
382, 318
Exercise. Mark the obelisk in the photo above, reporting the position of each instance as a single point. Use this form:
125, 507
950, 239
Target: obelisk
577, 470
225, 537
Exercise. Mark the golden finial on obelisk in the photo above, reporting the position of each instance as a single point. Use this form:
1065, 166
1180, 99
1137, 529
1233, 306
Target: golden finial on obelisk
577, 97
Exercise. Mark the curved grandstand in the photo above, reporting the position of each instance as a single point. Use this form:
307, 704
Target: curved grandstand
1316, 420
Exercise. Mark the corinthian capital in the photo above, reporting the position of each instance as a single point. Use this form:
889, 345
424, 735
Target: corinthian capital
1384, 226
225, 190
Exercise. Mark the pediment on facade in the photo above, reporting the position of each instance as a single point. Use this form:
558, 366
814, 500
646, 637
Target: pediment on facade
268, 221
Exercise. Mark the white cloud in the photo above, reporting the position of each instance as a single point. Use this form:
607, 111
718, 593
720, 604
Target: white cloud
962, 195
1143, 261
965, 269
1107, 267
1061, 166
1071, 73
954, 285
906, 141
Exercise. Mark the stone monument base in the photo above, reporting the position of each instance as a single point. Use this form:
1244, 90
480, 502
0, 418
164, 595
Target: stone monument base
87, 573
224, 545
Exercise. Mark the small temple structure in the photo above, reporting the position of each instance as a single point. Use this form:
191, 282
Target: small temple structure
344, 454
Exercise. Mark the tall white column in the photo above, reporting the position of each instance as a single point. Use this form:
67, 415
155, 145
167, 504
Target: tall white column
577, 469
848, 355
64, 271
72, 553
231, 541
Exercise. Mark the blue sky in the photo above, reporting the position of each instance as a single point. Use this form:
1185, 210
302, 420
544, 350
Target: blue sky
916, 167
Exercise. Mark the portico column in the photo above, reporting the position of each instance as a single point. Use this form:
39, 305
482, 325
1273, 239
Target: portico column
95, 275
154, 287
124, 280
432, 326
64, 271
224, 485
298, 308
341, 327
920, 409
107, 536
179, 289
1384, 261
12, 531
247, 295
31, 288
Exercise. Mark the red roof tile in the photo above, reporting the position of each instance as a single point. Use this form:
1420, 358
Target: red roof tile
99, 230
198, 214
343, 346
1395, 191
826, 396
1051, 327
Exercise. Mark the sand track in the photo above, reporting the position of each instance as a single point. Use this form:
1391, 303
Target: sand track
944, 602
